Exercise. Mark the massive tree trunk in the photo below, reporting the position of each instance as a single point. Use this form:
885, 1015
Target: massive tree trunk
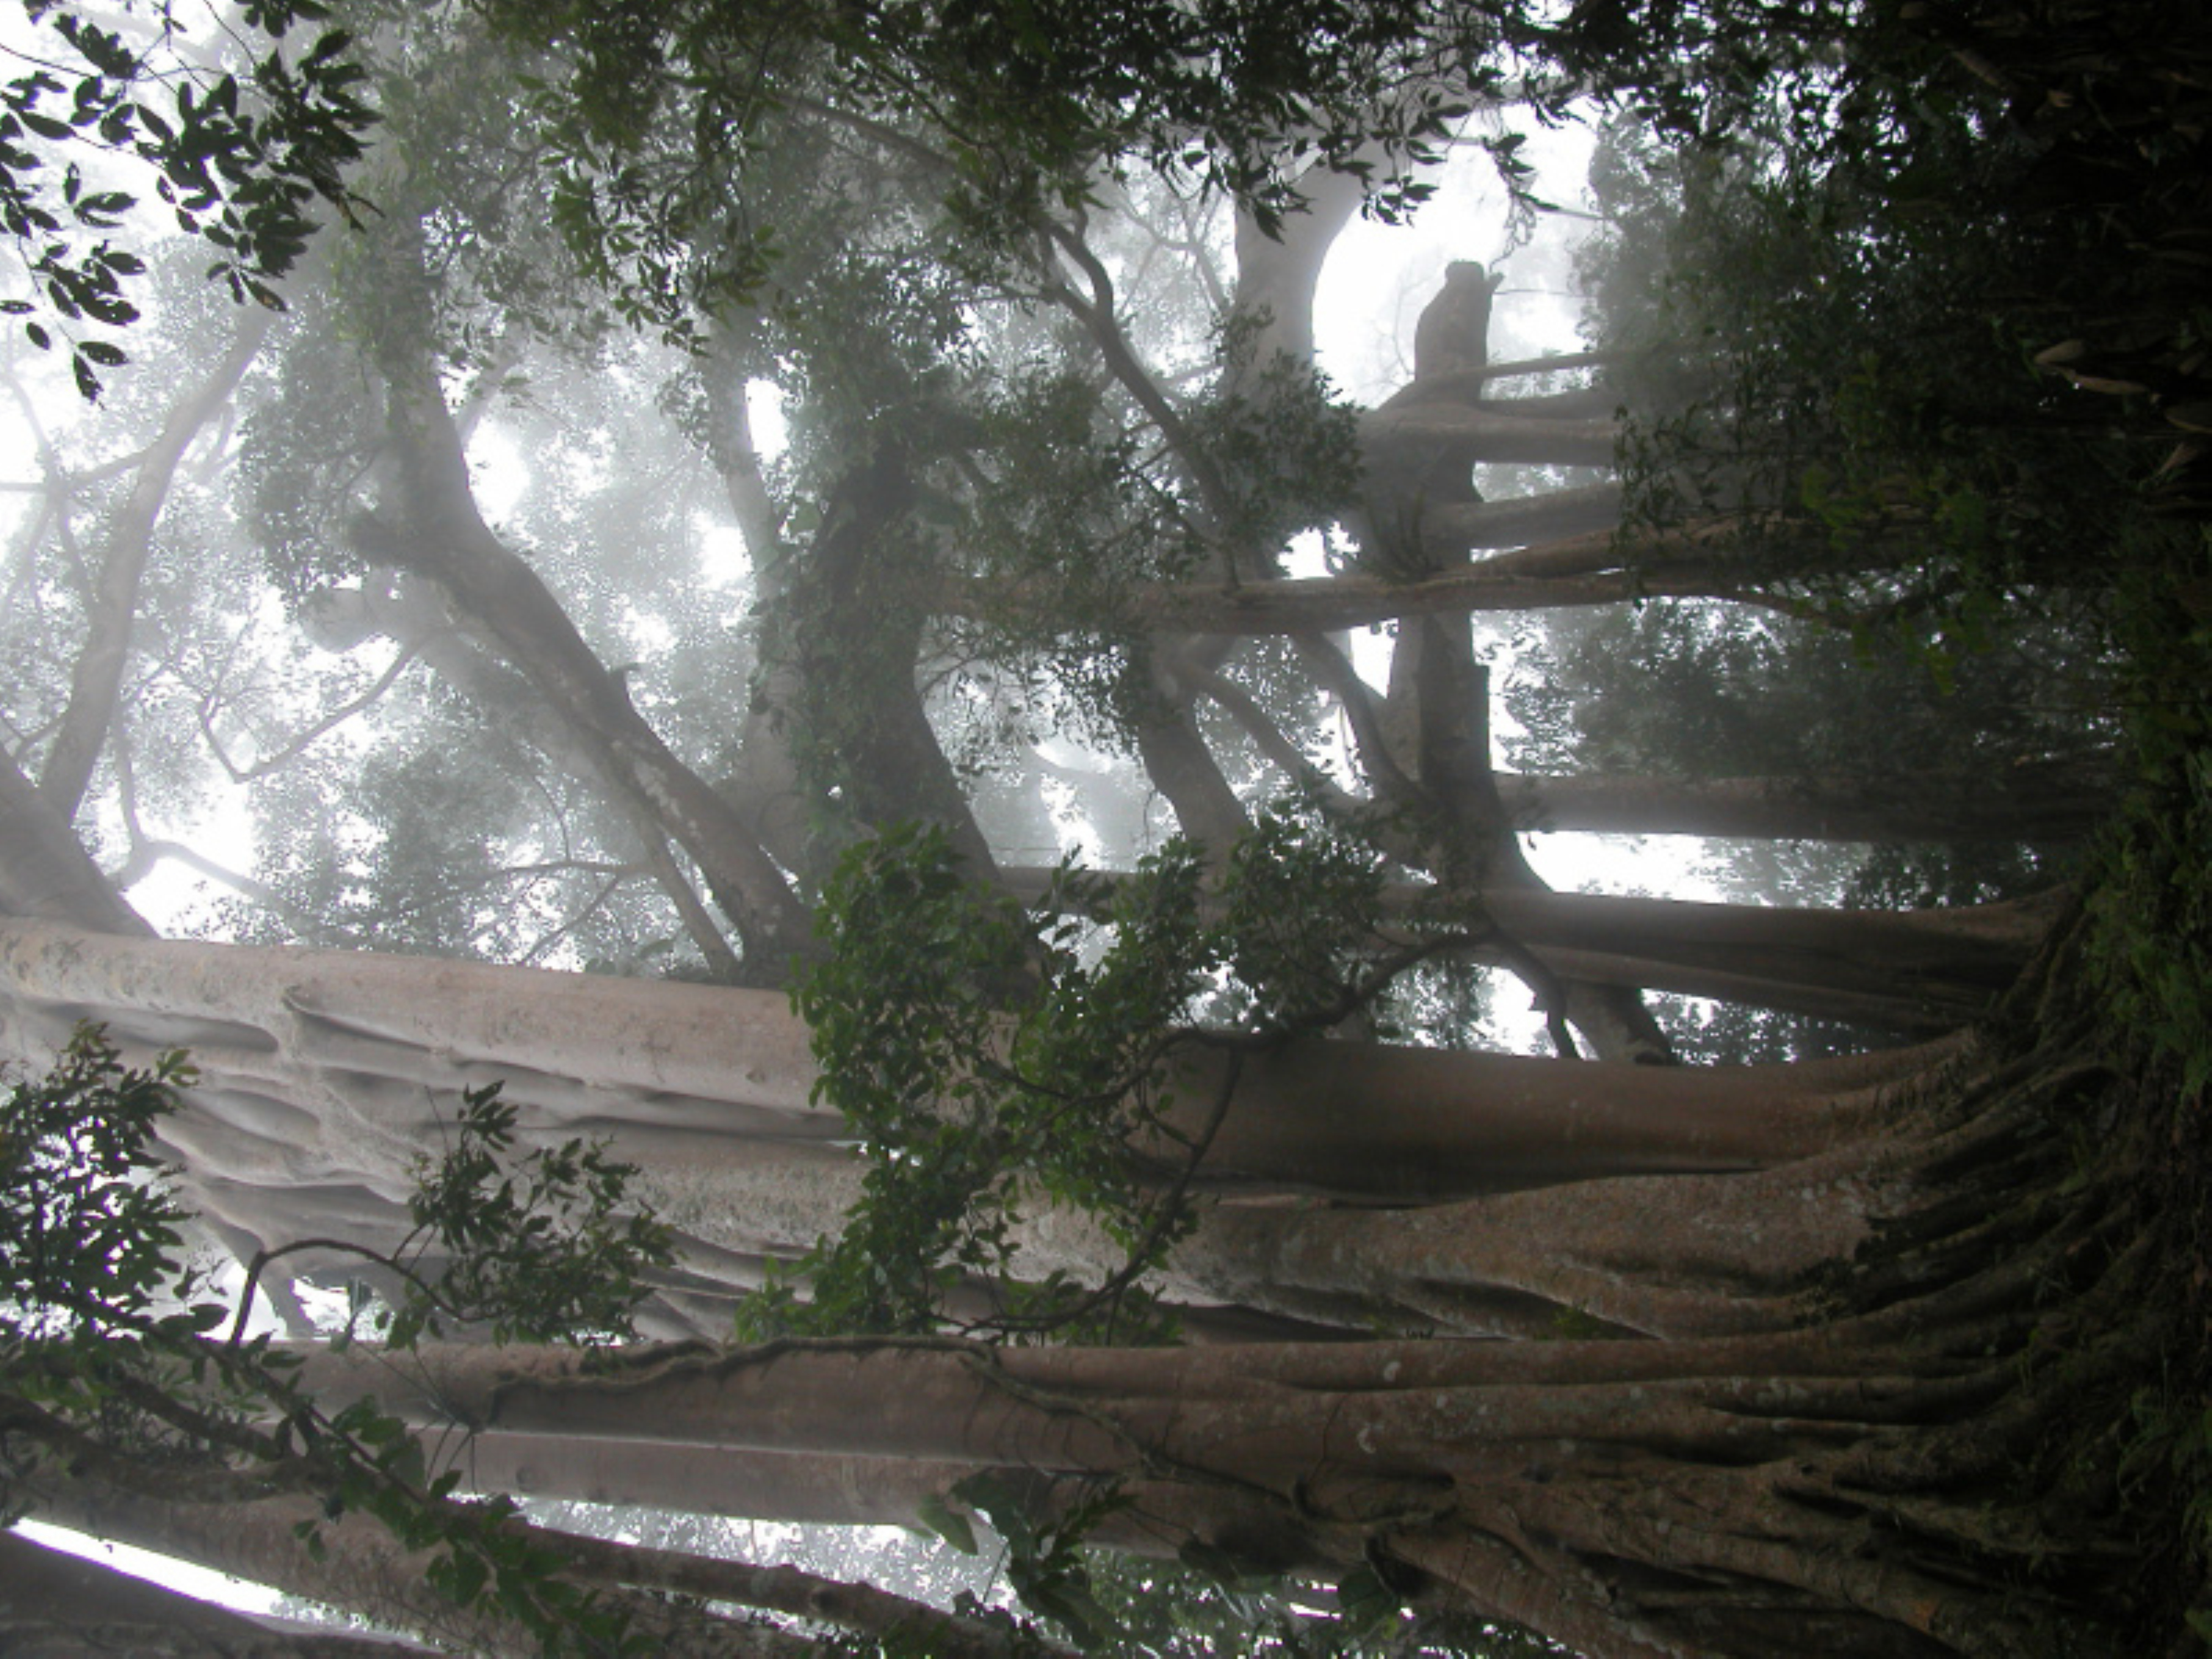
1824, 1297
1847, 1470
325, 1076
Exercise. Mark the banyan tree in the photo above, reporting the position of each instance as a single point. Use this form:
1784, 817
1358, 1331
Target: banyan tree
554, 701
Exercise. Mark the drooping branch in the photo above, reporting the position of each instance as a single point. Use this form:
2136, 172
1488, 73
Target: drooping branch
2052, 800
1513, 581
276, 759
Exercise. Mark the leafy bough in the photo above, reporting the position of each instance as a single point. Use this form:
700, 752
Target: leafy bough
993, 1058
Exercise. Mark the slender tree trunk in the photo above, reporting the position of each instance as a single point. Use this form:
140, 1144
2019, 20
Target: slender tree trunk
1917, 970
1923, 972
1489, 434
58, 1605
2059, 800
766, 792
1180, 765
856, 654
435, 530
442, 537
1322, 605
96, 679
836, 1489
1557, 515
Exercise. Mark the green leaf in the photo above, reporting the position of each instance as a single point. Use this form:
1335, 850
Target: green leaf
947, 1523
1364, 1601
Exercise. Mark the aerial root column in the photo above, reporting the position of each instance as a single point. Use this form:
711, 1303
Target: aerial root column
1401, 1125
1705, 1496
1665, 1256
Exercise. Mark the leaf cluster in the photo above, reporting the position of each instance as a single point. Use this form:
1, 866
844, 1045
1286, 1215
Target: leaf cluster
541, 1248
1046, 1561
112, 1372
993, 1058
93, 1242
1286, 447
1858, 253
239, 162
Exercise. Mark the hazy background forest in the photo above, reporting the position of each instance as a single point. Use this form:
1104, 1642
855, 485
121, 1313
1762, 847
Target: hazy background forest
1614, 540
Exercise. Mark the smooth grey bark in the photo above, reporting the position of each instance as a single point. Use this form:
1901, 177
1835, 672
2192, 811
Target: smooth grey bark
1481, 434
1524, 520
1182, 767
2054, 800
54, 1605
1915, 971
43, 870
96, 678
